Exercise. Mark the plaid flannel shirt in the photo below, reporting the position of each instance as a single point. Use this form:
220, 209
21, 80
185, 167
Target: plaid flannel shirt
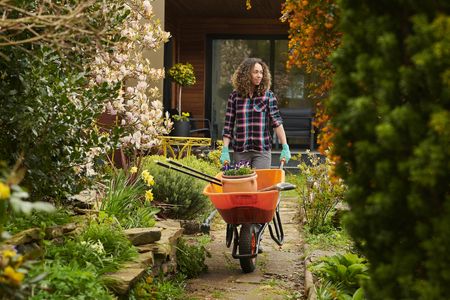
247, 121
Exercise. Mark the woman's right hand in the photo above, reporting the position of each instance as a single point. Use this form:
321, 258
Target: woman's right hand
225, 156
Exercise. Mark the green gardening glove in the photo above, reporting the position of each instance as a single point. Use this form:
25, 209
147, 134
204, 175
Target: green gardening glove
285, 153
225, 156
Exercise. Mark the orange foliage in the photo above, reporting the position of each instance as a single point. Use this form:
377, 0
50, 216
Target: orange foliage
312, 39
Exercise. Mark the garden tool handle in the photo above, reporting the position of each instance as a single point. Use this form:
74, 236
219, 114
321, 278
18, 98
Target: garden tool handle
282, 163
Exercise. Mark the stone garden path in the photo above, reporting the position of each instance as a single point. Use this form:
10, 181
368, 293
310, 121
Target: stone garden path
279, 273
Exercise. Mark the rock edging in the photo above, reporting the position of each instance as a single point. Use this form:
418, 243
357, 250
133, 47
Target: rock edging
157, 247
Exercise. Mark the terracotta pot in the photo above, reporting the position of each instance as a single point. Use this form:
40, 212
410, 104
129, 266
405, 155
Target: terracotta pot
240, 184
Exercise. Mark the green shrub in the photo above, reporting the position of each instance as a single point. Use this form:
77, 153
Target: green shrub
19, 222
65, 280
191, 256
180, 194
214, 158
319, 193
47, 115
390, 104
183, 74
125, 201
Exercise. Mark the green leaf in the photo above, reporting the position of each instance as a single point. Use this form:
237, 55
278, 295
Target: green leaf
359, 294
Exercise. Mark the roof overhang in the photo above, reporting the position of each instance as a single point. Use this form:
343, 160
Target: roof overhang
268, 9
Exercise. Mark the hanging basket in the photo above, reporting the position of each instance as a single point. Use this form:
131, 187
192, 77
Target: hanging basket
240, 184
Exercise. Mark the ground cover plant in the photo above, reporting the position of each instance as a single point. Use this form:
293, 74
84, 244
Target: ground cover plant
21, 221
160, 288
63, 280
80, 261
341, 276
191, 255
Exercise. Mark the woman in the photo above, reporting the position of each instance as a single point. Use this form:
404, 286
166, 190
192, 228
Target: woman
251, 109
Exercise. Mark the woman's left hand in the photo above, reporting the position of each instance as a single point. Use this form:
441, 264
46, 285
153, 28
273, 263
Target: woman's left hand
285, 153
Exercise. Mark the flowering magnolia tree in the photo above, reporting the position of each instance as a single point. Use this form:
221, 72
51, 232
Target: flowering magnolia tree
137, 105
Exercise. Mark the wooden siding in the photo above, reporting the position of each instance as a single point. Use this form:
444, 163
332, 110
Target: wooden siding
190, 36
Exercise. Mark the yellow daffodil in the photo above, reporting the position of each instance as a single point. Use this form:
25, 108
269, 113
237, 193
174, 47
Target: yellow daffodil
149, 195
5, 191
14, 276
8, 253
148, 179
133, 170
144, 174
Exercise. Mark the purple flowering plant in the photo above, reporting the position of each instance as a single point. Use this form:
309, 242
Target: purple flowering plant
240, 168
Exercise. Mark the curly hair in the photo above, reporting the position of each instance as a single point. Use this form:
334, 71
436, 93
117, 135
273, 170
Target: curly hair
242, 77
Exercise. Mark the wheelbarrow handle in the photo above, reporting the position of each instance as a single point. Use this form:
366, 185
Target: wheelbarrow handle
173, 162
198, 176
282, 163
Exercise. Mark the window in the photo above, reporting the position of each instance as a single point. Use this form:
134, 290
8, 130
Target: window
225, 54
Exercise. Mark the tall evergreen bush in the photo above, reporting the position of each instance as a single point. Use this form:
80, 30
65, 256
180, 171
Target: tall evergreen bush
391, 106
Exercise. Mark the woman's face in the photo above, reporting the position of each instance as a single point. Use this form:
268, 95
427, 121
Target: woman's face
257, 74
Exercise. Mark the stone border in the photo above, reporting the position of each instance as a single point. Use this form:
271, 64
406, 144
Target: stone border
310, 289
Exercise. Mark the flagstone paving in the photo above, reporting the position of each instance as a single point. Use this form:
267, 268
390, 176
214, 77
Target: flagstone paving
279, 273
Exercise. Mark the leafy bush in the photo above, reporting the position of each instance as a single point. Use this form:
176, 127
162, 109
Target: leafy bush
342, 275
182, 74
390, 104
214, 157
125, 201
191, 256
180, 195
103, 246
46, 116
58, 77
20, 221
68, 279
319, 193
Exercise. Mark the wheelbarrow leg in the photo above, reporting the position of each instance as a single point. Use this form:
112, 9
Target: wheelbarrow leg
206, 226
279, 238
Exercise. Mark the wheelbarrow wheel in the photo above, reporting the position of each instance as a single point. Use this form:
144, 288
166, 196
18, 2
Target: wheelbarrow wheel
247, 245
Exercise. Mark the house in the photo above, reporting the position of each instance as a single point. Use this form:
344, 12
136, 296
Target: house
215, 36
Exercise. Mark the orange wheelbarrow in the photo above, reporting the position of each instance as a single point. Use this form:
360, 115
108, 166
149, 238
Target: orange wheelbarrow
247, 214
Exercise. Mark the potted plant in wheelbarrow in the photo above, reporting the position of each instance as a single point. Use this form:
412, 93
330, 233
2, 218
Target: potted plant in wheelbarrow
239, 178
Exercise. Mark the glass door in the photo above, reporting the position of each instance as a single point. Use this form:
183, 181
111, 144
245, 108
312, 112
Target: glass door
227, 54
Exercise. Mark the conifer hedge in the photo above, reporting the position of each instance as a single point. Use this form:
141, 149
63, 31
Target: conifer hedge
391, 107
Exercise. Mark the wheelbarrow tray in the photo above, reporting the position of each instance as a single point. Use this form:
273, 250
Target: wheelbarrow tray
247, 207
